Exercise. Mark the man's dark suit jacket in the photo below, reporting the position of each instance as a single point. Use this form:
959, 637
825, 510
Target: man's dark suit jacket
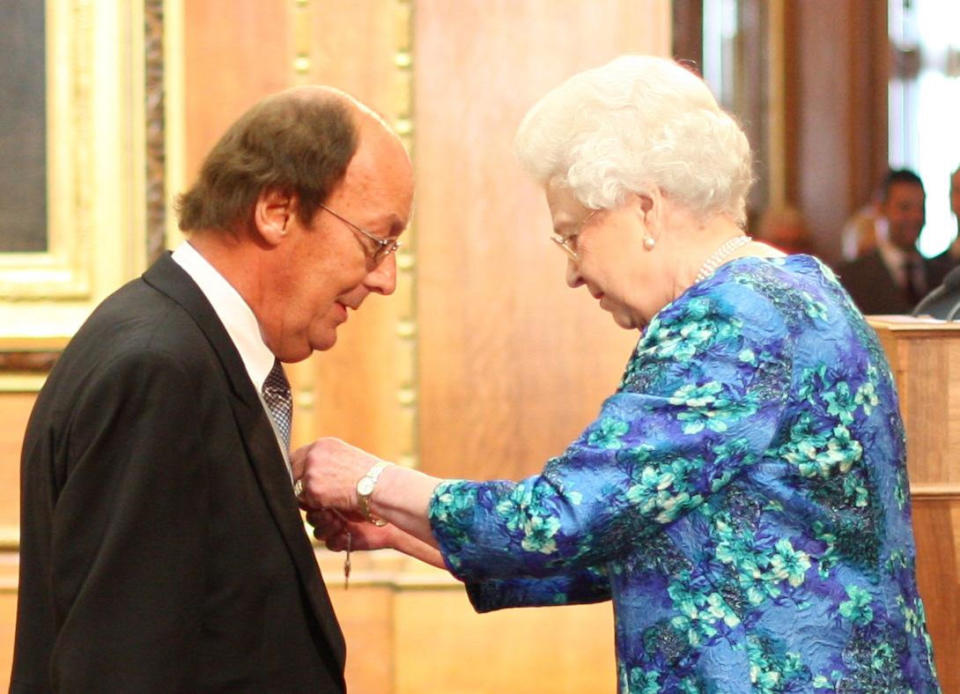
874, 290
161, 545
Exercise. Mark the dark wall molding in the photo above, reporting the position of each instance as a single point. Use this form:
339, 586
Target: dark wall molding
28, 362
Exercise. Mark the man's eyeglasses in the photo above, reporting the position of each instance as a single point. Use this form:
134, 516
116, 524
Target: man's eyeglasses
384, 246
568, 243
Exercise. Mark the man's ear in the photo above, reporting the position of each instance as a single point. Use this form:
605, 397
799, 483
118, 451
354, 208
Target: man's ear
272, 213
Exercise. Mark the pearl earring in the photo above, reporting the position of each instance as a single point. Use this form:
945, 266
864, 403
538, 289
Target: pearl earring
649, 242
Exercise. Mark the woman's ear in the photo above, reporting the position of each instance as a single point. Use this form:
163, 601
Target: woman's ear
272, 213
647, 206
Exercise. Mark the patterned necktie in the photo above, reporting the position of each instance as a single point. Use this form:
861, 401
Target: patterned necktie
276, 393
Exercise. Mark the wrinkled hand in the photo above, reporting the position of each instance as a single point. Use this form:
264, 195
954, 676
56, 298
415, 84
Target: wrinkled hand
331, 528
329, 470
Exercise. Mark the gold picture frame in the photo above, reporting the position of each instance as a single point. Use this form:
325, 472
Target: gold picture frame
95, 176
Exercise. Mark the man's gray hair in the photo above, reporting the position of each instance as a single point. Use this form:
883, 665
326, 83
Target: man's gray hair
636, 123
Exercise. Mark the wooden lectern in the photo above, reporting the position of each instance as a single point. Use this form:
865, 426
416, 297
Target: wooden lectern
925, 357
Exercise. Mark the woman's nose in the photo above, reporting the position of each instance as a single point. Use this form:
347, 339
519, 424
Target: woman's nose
574, 279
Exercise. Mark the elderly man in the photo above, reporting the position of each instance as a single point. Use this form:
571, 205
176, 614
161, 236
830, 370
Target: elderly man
162, 549
893, 277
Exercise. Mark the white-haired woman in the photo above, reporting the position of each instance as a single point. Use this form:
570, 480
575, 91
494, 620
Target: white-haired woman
742, 497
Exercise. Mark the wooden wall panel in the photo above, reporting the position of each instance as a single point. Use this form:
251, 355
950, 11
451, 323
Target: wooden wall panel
512, 363
868, 59
354, 390
936, 524
234, 54
14, 412
368, 32
8, 622
9, 567
836, 80
926, 366
922, 356
443, 646
366, 615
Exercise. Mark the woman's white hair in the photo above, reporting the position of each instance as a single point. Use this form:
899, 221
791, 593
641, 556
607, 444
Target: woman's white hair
636, 123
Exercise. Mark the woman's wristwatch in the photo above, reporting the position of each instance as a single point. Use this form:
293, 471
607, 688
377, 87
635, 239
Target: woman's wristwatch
365, 491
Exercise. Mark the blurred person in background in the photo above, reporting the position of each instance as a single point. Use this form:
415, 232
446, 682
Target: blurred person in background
784, 228
863, 229
950, 258
893, 276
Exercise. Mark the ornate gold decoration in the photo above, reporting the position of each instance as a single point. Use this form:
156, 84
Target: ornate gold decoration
301, 40
396, 101
156, 194
174, 110
301, 376
408, 397
95, 176
63, 271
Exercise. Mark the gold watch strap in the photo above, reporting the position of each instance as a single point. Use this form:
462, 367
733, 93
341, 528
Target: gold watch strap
373, 474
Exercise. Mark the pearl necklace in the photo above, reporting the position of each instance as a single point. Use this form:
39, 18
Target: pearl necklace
726, 248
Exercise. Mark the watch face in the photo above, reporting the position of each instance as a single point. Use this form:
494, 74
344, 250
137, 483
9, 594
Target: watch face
365, 486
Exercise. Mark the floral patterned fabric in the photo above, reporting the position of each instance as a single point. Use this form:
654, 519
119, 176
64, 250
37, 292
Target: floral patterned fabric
742, 498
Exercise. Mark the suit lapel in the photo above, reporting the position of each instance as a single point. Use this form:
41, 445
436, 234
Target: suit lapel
271, 472
259, 440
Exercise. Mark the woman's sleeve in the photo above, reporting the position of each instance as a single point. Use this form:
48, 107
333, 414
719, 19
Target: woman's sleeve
700, 402
576, 587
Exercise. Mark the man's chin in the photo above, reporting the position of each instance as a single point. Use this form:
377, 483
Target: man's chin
322, 343
298, 353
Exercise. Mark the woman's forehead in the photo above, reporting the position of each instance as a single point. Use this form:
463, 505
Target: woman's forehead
561, 199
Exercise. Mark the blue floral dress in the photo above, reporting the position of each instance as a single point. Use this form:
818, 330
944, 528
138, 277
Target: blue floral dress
742, 498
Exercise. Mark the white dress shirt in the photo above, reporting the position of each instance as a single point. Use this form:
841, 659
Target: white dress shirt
238, 320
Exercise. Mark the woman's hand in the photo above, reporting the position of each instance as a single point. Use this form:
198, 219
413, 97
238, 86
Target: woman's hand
329, 470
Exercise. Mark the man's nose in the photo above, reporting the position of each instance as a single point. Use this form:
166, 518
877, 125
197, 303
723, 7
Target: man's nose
383, 278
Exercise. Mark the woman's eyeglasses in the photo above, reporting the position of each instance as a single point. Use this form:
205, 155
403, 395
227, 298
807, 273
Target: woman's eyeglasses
568, 243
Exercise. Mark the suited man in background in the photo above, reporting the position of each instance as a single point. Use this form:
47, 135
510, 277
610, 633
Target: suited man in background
950, 258
162, 549
892, 277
